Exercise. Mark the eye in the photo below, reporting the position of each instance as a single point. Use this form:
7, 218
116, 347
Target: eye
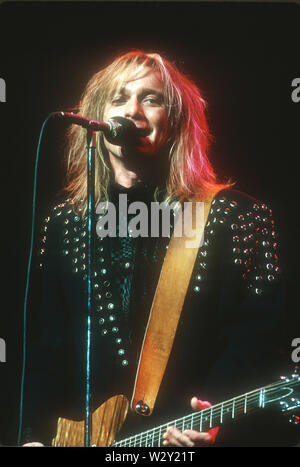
119, 100
153, 100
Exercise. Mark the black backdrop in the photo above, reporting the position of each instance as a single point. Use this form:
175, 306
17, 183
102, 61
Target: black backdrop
244, 58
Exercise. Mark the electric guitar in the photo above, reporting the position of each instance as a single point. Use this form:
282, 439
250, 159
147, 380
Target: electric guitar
109, 417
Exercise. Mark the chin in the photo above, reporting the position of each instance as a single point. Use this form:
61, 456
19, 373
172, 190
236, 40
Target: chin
138, 151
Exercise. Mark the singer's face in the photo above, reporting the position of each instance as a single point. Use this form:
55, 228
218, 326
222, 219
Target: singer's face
141, 101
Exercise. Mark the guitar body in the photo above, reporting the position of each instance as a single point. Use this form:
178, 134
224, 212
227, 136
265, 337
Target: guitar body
107, 421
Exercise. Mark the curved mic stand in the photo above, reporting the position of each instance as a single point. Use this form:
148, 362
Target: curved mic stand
91, 148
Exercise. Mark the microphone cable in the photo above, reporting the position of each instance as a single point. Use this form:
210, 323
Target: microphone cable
24, 346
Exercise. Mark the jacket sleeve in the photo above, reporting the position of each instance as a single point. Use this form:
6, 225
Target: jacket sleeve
43, 342
251, 319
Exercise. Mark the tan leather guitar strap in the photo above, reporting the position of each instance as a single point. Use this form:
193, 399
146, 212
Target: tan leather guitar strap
167, 304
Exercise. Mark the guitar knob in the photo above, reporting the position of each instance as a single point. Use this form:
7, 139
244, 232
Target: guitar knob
294, 419
284, 405
295, 400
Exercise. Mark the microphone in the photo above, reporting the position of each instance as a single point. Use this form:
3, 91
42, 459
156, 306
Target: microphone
117, 130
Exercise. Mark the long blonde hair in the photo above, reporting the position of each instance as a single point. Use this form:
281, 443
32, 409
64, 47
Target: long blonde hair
190, 171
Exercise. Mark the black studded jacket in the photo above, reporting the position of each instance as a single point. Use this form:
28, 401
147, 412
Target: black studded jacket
227, 338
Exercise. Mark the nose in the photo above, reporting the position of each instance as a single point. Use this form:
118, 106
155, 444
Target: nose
134, 109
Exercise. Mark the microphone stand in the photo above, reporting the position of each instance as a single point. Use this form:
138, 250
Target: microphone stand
91, 149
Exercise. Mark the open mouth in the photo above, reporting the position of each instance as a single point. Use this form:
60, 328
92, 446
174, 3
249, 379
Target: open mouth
143, 132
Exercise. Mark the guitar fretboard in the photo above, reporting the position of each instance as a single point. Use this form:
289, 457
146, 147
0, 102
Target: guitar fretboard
216, 415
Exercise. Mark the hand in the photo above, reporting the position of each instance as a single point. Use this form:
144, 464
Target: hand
191, 438
32, 445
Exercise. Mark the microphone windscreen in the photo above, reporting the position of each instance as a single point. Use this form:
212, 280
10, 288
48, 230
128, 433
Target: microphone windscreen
124, 132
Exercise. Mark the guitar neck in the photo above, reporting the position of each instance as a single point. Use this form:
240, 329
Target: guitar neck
200, 421
214, 416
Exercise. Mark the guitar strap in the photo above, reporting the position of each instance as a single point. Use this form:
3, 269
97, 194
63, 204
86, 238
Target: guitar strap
167, 304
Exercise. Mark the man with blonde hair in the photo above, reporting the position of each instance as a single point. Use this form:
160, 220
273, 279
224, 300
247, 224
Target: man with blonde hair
226, 336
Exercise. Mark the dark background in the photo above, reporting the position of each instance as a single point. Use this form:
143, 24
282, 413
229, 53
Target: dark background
243, 57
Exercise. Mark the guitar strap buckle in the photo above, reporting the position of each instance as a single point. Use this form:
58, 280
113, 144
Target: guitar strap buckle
142, 408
